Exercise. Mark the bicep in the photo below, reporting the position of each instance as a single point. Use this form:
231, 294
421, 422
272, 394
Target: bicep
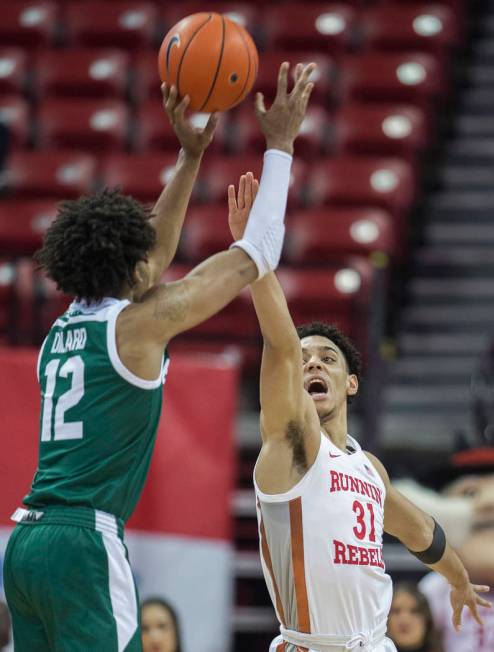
284, 401
405, 521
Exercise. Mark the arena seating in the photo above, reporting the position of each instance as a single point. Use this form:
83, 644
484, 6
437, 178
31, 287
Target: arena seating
79, 89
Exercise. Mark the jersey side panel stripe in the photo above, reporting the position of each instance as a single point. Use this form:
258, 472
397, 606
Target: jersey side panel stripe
269, 563
298, 565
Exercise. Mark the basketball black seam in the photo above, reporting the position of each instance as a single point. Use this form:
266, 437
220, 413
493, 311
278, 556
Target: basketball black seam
185, 50
248, 69
218, 65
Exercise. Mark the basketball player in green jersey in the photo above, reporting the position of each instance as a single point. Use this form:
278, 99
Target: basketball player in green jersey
101, 370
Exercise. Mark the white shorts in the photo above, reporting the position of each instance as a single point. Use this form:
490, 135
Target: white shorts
279, 645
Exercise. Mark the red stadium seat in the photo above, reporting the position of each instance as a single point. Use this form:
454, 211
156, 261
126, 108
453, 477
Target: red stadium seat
338, 294
219, 172
242, 12
27, 24
145, 80
7, 278
270, 64
313, 139
380, 129
419, 27
83, 123
142, 176
50, 174
128, 25
23, 224
326, 26
205, 232
384, 77
363, 181
80, 73
15, 113
319, 236
154, 130
13, 69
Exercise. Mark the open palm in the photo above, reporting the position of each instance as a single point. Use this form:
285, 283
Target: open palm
239, 204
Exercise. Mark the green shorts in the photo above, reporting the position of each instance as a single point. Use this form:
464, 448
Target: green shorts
68, 583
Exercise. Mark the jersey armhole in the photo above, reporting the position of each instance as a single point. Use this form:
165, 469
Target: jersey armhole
118, 365
297, 490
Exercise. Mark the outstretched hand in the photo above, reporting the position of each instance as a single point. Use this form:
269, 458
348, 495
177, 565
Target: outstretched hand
193, 141
239, 205
467, 595
281, 123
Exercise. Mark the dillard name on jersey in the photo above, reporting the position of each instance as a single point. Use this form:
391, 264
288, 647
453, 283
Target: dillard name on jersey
70, 340
346, 553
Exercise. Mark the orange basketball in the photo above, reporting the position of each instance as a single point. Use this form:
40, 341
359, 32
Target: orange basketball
210, 58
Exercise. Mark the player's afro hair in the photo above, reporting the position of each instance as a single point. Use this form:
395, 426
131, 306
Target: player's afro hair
92, 247
351, 354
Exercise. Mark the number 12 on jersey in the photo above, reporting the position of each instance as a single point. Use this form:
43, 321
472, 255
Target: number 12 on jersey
58, 428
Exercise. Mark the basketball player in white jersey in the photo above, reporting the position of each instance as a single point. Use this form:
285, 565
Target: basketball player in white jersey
323, 503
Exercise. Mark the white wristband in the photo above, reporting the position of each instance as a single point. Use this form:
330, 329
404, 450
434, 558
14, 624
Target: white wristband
263, 236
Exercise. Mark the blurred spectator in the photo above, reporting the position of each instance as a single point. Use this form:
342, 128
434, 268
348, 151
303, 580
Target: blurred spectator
159, 626
470, 476
4, 143
410, 624
482, 386
4, 626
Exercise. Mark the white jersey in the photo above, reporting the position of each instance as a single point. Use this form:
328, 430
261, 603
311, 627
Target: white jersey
321, 547
472, 636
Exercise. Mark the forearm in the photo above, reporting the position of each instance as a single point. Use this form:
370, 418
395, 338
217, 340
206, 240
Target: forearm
207, 289
169, 211
451, 567
272, 312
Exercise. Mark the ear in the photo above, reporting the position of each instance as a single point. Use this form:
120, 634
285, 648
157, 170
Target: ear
141, 277
351, 385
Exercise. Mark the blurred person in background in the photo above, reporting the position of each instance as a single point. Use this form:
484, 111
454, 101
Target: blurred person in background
469, 476
410, 624
159, 626
4, 626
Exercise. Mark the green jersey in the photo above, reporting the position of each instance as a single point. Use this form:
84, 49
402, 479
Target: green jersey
98, 420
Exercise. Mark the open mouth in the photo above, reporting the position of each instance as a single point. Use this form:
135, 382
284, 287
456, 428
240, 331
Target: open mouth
318, 389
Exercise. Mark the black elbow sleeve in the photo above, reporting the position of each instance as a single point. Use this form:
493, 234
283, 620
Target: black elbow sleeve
435, 551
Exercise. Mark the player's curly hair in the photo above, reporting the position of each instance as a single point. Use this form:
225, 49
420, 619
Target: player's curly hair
351, 354
92, 247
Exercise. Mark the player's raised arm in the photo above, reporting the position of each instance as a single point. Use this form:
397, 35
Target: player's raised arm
425, 539
169, 211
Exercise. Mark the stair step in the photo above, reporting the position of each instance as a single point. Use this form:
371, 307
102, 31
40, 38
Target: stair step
483, 49
254, 619
442, 344
244, 503
460, 233
454, 261
477, 100
428, 368
471, 150
474, 125
464, 176
479, 75
427, 431
427, 289
428, 397
477, 319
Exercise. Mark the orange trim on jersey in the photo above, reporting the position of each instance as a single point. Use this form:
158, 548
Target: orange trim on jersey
281, 647
298, 564
267, 560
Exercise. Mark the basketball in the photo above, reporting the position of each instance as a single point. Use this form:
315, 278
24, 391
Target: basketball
210, 58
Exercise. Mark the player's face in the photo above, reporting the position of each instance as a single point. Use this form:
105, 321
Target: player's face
406, 624
326, 376
158, 630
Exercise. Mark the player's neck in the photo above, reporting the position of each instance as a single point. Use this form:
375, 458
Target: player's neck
335, 427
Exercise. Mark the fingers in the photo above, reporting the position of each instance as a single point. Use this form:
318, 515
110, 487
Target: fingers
303, 79
481, 588
282, 80
211, 125
457, 617
483, 603
475, 613
306, 93
232, 202
259, 105
179, 111
241, 193
255, 189
297, 72
249, 181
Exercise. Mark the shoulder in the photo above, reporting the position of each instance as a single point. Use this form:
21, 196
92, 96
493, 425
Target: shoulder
379, 466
